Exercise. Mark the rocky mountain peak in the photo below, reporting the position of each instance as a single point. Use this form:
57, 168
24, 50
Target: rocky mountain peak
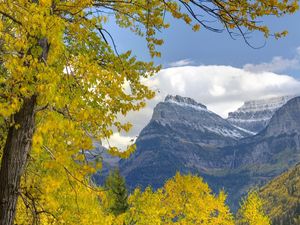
183, 101
185, 119
255, 115
264, 104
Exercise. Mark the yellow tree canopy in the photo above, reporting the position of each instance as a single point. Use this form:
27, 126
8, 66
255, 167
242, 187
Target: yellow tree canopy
251, 211
182, 200
54, 195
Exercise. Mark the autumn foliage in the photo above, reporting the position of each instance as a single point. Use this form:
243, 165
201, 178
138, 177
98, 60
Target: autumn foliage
184, 199
63, 84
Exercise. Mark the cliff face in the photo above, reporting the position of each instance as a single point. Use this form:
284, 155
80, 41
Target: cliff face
286, 120
255, 115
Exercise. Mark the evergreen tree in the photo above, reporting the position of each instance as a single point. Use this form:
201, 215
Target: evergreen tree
117, 192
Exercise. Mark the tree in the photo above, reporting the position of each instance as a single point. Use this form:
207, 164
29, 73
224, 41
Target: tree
63, 82
251, 211
184, 199
50, 194
116, 192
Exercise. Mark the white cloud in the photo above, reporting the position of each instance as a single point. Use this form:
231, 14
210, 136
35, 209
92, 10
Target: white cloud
223, 85
119, 140
221, 88
183, 62
277, 64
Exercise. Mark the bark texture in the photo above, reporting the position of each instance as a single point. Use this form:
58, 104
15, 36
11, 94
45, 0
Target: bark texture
16, 150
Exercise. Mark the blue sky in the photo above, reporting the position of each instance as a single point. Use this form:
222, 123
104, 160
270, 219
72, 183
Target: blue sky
209, 48
214, 69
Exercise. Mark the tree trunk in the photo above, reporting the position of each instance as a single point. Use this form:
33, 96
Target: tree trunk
16, 150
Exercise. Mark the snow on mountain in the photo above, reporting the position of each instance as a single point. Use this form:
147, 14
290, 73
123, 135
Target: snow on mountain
188, 118
255, 115
185, 102
264, 104
225, 132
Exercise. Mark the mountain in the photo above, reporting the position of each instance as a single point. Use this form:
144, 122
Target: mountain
278, 143
185, 136
255, 115
194, 122
260, 158
281, 198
